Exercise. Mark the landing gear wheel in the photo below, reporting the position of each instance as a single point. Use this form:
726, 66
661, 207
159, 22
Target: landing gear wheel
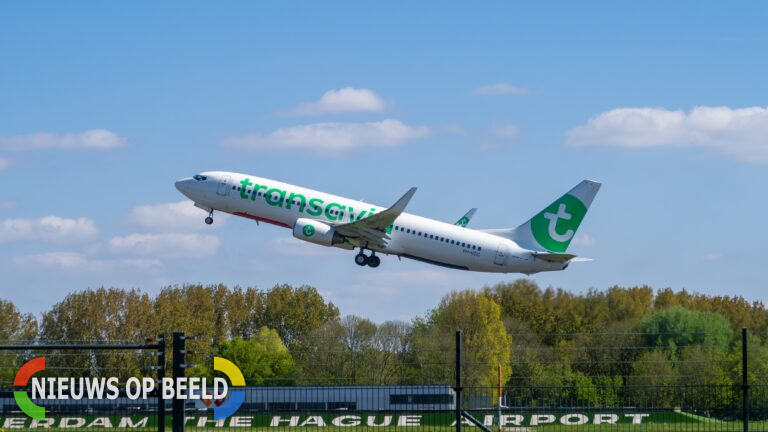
374, 261
361, 259
209, 220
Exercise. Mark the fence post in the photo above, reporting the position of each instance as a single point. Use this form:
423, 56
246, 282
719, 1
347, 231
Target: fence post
179, 360
458, 388
744, 381
160, 376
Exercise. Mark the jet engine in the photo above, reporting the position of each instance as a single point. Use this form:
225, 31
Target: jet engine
316, 232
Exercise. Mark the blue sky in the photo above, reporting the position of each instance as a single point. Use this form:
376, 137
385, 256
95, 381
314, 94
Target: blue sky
501, 106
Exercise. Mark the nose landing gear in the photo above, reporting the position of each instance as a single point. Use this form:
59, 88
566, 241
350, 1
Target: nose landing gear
209, 219
362, 259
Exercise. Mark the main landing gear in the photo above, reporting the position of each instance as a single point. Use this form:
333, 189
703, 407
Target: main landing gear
209, 219
372, 261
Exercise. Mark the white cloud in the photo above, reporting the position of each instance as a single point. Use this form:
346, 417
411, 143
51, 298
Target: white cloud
501, 88
715, 256
8, 205
583, 240
496, 137
175, 216
506, 131
73, 261
332, 136
50, 229
344, 100
94, 139
740, 132
166, 245
4, 163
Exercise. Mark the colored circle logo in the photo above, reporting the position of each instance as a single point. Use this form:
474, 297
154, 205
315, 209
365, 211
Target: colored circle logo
309, 230
22, 398
236, 397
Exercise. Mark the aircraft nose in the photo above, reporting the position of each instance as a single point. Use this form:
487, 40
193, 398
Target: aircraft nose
184, 185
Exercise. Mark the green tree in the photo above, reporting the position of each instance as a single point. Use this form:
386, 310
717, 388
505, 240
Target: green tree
653, 379
359, 350
486, 342
703, 378
99, 316
394, 356
15, 327
263, 358
295, 312
191, 309
320, 355
245, 311
678, 327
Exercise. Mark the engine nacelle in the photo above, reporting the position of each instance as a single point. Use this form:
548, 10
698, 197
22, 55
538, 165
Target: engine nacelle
316, 232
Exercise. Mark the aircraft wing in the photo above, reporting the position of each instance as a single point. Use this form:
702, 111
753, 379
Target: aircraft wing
464, 221
373, 229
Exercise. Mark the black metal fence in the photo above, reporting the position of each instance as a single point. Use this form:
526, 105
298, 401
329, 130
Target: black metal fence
445, 382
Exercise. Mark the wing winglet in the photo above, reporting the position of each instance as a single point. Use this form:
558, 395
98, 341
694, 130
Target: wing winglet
399, 206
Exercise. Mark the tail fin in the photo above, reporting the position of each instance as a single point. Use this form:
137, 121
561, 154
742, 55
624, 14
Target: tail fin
553, 228
464, 221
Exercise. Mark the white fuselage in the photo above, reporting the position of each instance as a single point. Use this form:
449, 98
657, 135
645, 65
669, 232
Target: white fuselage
410, 236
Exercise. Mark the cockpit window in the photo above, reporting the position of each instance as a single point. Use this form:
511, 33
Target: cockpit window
199, 177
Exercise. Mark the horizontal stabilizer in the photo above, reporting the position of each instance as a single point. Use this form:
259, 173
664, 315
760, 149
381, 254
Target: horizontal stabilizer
554, 257
581, 259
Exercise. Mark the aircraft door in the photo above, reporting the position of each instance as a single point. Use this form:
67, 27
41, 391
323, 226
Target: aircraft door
223, 186
502, 253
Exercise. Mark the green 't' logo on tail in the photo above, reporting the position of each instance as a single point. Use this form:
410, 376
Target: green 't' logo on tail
555, 226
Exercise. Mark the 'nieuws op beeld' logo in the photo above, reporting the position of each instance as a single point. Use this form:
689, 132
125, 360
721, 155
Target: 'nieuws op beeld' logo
135, 388
22, 398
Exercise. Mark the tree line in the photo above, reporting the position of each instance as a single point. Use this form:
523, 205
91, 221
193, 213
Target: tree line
549, 345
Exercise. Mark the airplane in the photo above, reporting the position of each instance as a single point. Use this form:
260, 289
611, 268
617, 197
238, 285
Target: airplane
537, 245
